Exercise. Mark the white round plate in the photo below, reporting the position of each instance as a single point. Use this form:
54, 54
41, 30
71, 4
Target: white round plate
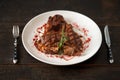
71, 17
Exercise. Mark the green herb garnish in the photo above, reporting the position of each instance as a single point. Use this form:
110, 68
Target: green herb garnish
61, 43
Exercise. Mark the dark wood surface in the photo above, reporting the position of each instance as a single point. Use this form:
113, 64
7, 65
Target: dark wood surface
19, 12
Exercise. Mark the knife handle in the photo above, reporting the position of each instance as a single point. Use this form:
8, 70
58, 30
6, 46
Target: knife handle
111, 60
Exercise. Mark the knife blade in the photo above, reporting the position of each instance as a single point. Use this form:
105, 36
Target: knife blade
108, 42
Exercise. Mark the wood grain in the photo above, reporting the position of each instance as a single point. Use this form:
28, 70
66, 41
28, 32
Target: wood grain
46, 72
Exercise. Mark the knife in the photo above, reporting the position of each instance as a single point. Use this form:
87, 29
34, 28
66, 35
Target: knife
108, 42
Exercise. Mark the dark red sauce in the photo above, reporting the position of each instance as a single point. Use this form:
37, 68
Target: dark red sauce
85, 31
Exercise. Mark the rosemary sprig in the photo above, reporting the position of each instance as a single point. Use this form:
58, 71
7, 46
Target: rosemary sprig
61, 43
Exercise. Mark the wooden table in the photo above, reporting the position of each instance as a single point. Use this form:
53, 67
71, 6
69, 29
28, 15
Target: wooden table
19, 12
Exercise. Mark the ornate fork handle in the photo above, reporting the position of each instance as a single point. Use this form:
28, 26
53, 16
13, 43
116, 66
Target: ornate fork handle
15, 35
15, 56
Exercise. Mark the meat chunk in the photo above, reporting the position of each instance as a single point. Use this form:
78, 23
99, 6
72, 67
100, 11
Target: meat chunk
55, 22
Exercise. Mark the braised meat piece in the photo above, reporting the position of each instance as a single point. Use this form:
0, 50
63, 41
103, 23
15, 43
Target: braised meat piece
55, 22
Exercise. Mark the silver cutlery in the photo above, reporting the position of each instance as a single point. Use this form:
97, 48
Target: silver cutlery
15, 32
108, 42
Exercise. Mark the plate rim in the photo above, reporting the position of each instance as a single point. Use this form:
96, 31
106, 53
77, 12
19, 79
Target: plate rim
58, 11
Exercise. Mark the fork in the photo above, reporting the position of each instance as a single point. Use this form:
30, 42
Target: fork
15, 32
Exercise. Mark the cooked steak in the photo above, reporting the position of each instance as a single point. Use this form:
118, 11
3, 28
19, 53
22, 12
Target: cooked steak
59, 35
